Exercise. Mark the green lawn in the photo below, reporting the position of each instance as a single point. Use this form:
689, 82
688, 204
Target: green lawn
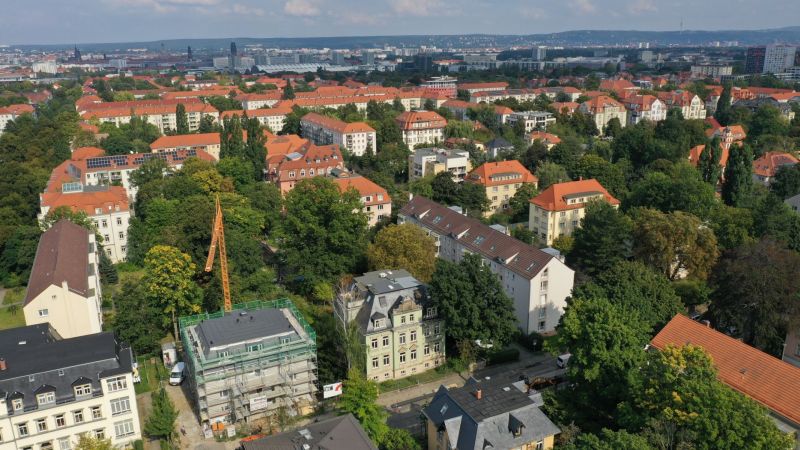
14, 295
8, 320
151, 373
424, 377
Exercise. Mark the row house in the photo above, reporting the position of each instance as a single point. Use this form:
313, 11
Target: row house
501, 180
644, 107
430, 161
376, 200
206, 142
258, 101
538, 283
89, 103
691, 106
162, 116
220, 91
421, 127
273, 119
397, 322
306, 162
64, 285
603, 109
559, 209
531, 120
356, 137
471, 88
521, 95
56, 389
11, 112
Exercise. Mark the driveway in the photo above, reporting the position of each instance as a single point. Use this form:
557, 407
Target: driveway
187, 420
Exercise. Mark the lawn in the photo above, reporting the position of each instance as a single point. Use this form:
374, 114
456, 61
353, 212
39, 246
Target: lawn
8, 320
151, 374
424, 377
14, 295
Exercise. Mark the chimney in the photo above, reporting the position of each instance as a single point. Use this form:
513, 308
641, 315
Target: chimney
3, 365
478, 394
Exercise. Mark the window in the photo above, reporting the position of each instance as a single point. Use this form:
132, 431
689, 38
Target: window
119, 220
121, 235
84, 389
374, 343
402, 338
402, 319
542, 313
430, 312
122, 429
222, 354
436, 329
106, 239
413, 335
46, 398
402, 357
105, 223
64, 444
410, 317
385, 360
60, 421
16, 404
377, 323
413, 355
541, 325
41, 425
22, 429
43, 313
254, 347
77, 416
302, 172
123, 405
100, 433
116, 384
436, 347
123, 249
540, 445
96, 413
375, 362
427, 350
386, 341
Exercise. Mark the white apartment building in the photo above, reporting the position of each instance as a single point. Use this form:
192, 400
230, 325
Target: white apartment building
107, 206
421, 127
272, 118
430, 161
691, 106
778, 58
11, 112
64, 286
54, 390
533, 120
603, 109
537, 282
712, 70
377, 202
258, 101
162, 116
644, 107
356, 137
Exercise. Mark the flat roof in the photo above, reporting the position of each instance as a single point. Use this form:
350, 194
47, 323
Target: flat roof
243, 326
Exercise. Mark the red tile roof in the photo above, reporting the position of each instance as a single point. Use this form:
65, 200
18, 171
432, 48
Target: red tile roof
486, 85
148, 110
185, 140
364, 186
407, 119
696, 151
600, 103
107, 200
265, 112
338, 125
764, 378
496, 173
61, 256
769, 163
547, 138
553, 198
17, 110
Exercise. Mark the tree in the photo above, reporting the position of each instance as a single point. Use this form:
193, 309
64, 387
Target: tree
79, 218
168, 283
738, 176
288, 92
723, 113
232, 138
87, 442
567, 153
108, 272
755, 290
161, 421
608, 440
181, 120
610, 176
398, 439
613, 128
637, 288
676, 244
679, 188
786, 182
766, 121
254, 150
472, 197
137, 319
151, 170
519, 204
323, 232
550, 173
603, 239
472, 301
445, 190
207, 125
709, 162
403, 246
358, 398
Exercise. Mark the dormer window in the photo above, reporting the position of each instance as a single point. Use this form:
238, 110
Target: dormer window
46, 398
16, 404
377, 323
84, 389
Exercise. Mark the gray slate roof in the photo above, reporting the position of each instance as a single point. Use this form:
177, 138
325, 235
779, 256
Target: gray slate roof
476, 424
339, 433
383, 291
243, 326
62, 255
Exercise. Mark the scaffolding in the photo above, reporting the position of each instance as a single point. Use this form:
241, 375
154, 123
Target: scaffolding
251, 383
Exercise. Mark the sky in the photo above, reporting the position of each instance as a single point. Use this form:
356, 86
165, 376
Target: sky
87, 21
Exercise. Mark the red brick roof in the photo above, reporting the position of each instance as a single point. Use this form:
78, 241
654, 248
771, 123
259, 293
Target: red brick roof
764, 378
487, 85
553, 198
696, 151
547, 138
769, 163
407, 119
107, 200
335, 124
364, 186
600, 103
490, 173
16, 110
185, 140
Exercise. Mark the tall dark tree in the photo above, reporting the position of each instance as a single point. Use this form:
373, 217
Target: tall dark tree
786, 182
738, 176
288, 91
181, 120
108, 272
161, 421
231, 138
604, 238
254, 150
724, 113
708, 166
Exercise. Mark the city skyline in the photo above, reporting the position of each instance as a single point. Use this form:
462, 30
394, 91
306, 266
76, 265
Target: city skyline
52, 22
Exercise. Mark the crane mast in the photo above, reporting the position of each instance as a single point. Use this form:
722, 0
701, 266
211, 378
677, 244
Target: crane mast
218, 240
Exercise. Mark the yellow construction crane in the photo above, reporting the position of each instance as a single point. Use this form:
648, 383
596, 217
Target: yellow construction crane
218, 239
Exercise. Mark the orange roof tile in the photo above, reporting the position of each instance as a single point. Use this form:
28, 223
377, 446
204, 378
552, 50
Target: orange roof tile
338, 125
16, 110
599, 103
148, 110
496, 174
364, 186
547, 138
769, 163
486, 85
407, 119
554, 197
185, 140
265, 112
87, 152
108, 200
762, 377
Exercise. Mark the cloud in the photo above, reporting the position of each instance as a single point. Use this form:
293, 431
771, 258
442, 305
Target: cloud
583, 6
532, 12
245, 10
302, 8
162, 6
642, 6
360, 18
416, 7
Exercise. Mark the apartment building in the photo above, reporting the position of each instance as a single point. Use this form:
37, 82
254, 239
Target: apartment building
444, 84
272, 118
355, 137
532, 120
711, 70
11, 112
55, 390
765, 167
537, 282
501, 180
431, 161
603, 109
338, 433
644, 107
107, 206
307, 161
376, 200
548, 139
258, 101
778, 58
485, 414
421, 127
397, 322
163, 116
471, 88
206, 142
250, 362
558, 210
692, 107
64, 285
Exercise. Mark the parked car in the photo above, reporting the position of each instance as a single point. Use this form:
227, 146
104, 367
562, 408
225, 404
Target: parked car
177, 374
562, 360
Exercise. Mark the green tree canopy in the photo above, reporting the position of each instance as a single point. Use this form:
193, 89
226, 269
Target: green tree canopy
738, 176
358, 398
403, 246
181, 120
168, 283
550, 173
603, 239
161, 421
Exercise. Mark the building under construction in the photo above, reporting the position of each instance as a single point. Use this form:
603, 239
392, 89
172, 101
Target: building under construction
250, 362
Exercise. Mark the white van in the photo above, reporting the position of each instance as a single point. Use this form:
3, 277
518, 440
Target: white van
177, 374
562, 360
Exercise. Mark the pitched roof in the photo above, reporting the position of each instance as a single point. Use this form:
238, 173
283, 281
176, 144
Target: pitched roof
147, 110
762, 377
407, 119
16, 110
61, 256
107, 198
338, 125
600, 103
484, 85
339, 433
544, 137
497, 173
696, 151
185, 140
364, 186
554, 197
769, 163
264, 112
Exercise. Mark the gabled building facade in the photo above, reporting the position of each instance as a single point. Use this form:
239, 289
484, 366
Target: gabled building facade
356, 137
501, 180
421, 127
